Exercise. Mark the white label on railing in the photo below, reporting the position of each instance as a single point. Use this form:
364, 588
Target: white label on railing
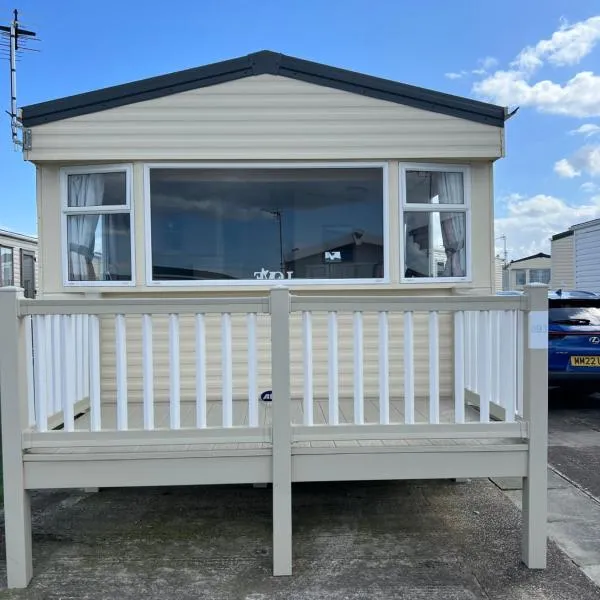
538, 329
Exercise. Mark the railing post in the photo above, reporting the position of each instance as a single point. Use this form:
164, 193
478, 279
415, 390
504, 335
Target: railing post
282, 432
535, 412
13, 398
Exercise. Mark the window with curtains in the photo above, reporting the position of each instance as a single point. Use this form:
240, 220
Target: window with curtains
7, 270
434, 221
539, 276
520, 276
97, 225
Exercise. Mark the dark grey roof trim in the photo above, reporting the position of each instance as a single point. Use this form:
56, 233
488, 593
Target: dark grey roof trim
538, 255
564, 234
261, 63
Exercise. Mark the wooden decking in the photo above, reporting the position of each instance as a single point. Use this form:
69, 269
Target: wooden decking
240, 413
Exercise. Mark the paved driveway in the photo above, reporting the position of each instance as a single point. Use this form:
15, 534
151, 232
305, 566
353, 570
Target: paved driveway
413, 540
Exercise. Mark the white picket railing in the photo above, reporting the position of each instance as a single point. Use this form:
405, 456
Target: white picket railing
65, 371
59, 369
493, 351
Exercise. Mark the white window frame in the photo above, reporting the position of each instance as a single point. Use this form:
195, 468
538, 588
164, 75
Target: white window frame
267, 282
12, 264
420, 207
67, 210
525, 273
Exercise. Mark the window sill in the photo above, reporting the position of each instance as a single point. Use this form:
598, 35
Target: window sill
426, 288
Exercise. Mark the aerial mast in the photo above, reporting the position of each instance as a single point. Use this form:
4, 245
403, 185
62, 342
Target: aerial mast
11, 37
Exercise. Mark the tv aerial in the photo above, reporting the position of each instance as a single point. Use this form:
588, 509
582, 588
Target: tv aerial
13, 40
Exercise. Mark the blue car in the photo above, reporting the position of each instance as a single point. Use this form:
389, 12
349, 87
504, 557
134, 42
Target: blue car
574, 340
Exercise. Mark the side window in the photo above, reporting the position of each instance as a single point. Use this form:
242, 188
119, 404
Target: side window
97, 216
520, 277
435, 206
6, 266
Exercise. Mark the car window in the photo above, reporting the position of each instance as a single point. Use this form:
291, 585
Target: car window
580, 313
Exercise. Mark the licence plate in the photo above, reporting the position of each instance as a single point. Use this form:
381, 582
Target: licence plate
585, 361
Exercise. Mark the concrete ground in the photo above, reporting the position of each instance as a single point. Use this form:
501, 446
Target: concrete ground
416, 540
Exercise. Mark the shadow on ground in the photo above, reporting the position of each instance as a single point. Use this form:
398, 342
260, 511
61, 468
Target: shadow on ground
414, 540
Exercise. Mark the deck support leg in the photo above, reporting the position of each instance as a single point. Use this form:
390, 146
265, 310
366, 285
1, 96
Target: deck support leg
13, 397
535, 408
282, 432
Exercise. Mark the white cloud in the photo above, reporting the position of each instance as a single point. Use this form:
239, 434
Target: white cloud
587, 130
485, 64
530, 222
567, 46
579, 96
563, 168
589, 187
455, 75
585, 160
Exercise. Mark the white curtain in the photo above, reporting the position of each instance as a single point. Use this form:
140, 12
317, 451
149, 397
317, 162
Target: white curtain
84, 190
451, 191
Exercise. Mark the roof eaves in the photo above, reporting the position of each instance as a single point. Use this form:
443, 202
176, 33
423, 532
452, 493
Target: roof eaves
260, 63
561, 235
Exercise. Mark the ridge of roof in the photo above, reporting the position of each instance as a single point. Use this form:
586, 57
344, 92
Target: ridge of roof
538, 255
264, 62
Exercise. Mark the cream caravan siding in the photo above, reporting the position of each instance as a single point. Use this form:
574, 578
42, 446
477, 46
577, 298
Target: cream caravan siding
17, 244
563, 264
266, 117
498, 271
240, 345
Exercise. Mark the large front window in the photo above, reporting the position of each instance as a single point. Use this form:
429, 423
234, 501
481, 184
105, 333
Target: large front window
6, 266
289, 223
97, 214
434, 223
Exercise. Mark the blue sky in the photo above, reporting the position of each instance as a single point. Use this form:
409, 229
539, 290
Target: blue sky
542, 56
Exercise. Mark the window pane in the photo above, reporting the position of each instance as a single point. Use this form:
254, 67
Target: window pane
99, 247
267, 223
435, 244
539, 276
434, 187
520, 277
6, 266
97, 189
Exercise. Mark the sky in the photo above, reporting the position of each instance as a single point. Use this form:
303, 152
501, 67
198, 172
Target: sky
540, 55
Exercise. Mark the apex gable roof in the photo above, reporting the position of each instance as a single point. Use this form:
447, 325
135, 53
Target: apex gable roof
261, 63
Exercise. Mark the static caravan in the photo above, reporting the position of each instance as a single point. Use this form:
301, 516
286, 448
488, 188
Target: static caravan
18, 261
267, 270
530, 269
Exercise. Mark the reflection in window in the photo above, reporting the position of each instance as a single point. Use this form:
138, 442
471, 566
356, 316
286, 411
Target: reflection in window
435, 221
575, 313
434, 244
539, 276
6, 266
520, 277
98, 227
434, 187
302, 223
